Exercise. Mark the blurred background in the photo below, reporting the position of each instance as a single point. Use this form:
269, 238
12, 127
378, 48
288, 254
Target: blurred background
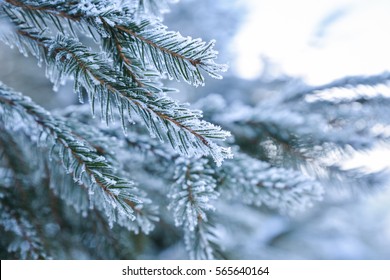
268, 44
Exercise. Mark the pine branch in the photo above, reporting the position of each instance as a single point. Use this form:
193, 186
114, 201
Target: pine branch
13, 151
201, 242
135, 141
22, 235
122, 58
357, 181
353, 84
287, 137
164, 117
190, 201
254, 182
169, 52
156, 8
145, 214
26, 243
115, 196
192, 192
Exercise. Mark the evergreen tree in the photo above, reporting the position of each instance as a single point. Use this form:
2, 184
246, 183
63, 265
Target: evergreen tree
150, 175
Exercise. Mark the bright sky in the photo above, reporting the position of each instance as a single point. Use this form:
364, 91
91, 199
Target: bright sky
318, 40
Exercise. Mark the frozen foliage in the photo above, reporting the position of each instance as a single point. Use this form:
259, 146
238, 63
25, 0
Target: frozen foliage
256, 183
166, 51
196, 186
162, 179
27, 244
164, 117
191, 198
200, 242
314, 128
152, 7
192, 192
99, 186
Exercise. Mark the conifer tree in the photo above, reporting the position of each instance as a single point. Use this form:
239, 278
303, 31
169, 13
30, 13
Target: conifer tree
149, 173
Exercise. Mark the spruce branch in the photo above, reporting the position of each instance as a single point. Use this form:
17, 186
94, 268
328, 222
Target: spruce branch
355, 85
170, 53
201, 242
258, 183
156, 8
26, 243
191, 199
19, 231
126, 64
164, 117
192, 192
112, 194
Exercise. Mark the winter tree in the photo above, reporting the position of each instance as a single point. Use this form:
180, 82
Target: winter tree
135, 173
